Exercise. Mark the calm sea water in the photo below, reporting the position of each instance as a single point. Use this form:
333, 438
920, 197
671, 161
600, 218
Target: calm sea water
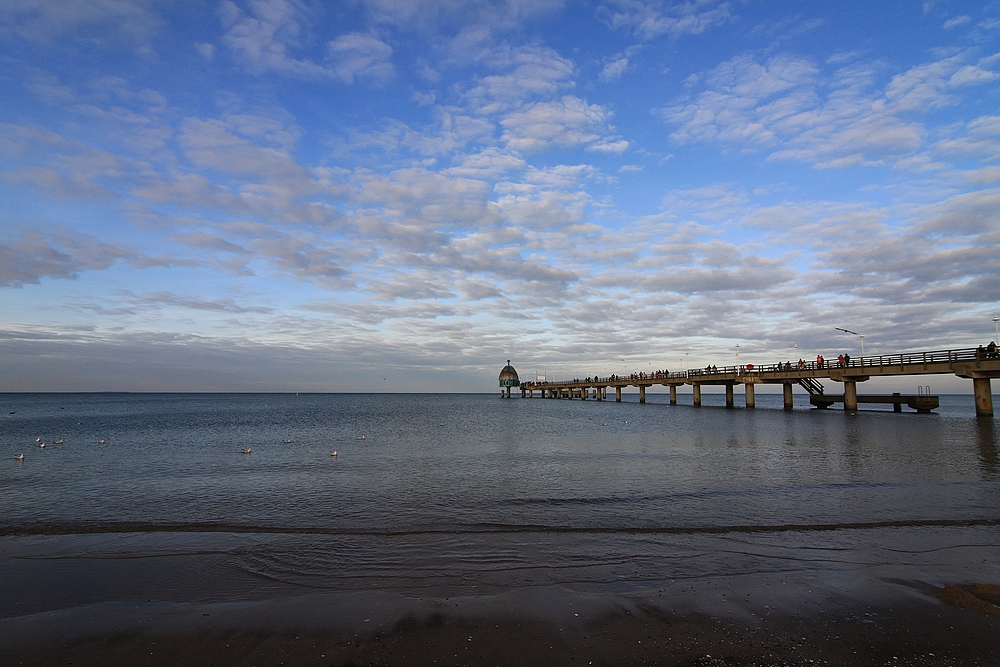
453, 494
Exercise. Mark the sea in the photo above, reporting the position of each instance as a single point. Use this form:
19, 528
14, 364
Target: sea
227, 498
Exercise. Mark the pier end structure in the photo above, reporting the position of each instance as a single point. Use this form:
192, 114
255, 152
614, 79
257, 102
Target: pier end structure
508, 378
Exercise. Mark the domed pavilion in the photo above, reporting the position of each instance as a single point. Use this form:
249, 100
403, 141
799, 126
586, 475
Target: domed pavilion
508, 378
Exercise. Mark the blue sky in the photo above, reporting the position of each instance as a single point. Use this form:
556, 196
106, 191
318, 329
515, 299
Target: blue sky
399, 195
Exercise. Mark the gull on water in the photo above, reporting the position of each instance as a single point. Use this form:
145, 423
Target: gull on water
287, 441
42, 445
19, 457
100, 442
245, 451
334, 453
58, 442
361, 437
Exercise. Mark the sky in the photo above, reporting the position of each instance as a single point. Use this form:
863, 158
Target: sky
400, 195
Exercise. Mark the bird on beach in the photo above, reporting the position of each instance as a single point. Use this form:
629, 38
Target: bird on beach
245, 451
19, 457
334, 453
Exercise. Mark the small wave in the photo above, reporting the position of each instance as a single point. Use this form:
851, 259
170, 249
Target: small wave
479, 529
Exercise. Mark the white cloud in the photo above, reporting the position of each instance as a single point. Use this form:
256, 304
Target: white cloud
270, 33
957, 21
530, 72
649, 19
360, 56
614, 69
563, 123
794, 110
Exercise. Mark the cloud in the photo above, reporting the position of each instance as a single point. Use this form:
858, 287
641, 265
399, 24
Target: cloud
270, 33
360, 56
957, 21
564, 123
794, 110
530, 72
649, 19
439, 14
614, 69
32, 255
132, 22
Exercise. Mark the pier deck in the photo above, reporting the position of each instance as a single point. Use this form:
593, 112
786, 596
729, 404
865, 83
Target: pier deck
976, 364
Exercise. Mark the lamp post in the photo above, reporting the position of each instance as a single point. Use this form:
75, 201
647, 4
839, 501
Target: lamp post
737, 355
859, 335
996, 325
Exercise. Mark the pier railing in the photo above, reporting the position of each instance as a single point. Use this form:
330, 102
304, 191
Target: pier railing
905, 359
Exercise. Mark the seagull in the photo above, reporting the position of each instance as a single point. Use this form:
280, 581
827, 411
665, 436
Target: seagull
604, 424
245, 451
361, 437
19, 457
42, 445
38, 439
334, 453
58, 442
287, 441
100, 442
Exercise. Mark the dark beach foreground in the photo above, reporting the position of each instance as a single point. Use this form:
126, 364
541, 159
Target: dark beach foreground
718, 622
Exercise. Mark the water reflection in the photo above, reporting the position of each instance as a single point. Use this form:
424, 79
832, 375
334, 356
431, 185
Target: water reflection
987, 437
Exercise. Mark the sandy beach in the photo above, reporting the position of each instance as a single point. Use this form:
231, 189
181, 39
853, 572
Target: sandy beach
705, 623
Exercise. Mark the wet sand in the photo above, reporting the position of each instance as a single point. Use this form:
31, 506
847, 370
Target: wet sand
705, 623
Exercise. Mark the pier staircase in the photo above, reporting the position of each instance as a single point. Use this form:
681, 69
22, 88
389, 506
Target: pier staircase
812, 385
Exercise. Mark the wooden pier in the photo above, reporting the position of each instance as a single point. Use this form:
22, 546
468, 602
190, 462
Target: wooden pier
977, 364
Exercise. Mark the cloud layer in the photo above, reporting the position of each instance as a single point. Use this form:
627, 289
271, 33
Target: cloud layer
420, 190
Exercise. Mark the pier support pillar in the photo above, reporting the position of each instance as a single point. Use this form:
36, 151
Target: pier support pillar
729, 395
673, 394
851, 396
642, 394
697, 395
583, 393
600, 393
751, 395
984, 397
897, 405
788, 395
618, 394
